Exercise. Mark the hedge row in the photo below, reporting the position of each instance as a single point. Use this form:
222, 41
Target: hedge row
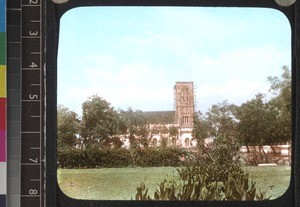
105, 158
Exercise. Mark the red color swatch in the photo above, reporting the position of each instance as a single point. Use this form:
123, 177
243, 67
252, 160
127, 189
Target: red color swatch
2, 129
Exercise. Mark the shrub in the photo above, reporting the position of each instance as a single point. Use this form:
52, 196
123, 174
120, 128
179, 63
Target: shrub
141, 157
216, 175
159, 157
234, 188
93, 157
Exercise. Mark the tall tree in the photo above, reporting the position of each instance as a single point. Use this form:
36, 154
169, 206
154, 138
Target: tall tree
136, 126
282, 104
173, 131
201, 129
267, 122
256, 122
68, 128
221, 119
99, 121
143, 135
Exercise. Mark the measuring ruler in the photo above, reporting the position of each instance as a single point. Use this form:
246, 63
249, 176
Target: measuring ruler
32, 136
25, 123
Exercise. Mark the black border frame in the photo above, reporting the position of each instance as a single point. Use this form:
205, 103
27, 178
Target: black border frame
52, 13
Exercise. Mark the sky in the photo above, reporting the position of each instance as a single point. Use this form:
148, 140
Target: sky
132, 56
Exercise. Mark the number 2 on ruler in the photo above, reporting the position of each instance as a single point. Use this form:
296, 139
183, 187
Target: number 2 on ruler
33, 1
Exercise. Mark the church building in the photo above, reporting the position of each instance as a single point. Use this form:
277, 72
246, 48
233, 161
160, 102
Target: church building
184, 112
161, 123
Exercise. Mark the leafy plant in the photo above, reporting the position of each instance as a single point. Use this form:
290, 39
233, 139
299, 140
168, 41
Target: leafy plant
216, 175
199, 188
142, 193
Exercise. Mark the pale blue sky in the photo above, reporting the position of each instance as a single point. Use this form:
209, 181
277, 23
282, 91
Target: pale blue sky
132, 56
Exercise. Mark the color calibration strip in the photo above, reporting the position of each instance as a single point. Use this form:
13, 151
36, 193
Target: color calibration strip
2, 103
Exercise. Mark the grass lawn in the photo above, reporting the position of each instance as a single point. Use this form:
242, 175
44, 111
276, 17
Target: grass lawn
121, 183
275, 180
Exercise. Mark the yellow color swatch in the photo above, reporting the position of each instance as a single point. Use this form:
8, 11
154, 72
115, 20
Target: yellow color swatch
2, 81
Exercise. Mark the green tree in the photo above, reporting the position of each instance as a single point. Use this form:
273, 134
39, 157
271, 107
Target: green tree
173, 130
99, 121
282, 104
68, 128
113, 142
164, 141
263, 122
143, 136
257, 120
201, 129
221, 119
136, 126
281, 87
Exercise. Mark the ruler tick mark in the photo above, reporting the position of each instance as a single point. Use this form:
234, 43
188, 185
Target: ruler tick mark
31, 68
30, 164
31, 37
30, 100
31, 132
31, 5
31, 196
35, 148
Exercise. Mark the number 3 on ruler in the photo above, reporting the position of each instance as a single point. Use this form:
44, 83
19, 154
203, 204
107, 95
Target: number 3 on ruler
31, 33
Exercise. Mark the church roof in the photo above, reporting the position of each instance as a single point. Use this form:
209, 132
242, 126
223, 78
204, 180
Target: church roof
160, 117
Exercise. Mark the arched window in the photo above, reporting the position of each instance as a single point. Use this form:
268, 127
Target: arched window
187, 142
154, 142
174, 142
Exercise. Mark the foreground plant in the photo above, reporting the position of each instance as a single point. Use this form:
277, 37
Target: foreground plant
217, 175
234, 188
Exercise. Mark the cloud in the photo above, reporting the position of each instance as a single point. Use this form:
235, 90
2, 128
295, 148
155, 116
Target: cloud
124, 85
235, 76
138, 65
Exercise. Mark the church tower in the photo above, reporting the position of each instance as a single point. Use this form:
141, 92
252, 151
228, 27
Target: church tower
184, 104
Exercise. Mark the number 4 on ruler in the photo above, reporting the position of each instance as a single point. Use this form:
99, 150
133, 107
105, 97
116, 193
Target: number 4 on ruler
33, 65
